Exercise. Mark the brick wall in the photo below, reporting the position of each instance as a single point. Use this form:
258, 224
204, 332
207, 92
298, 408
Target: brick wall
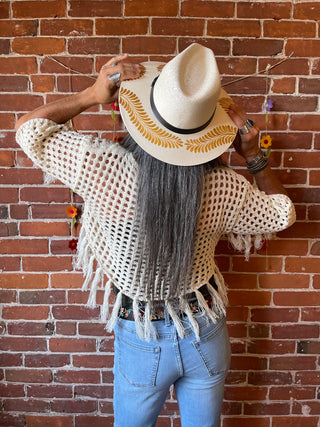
56, 360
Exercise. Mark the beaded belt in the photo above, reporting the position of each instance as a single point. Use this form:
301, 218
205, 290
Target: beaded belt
126, 312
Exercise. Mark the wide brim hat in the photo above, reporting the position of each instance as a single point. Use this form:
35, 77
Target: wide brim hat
177, 112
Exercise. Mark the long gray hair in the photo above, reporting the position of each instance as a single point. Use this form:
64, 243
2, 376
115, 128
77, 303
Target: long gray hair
168, 206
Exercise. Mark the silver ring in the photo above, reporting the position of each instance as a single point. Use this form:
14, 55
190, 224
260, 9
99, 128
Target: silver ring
115, 78
114, 64
248, 124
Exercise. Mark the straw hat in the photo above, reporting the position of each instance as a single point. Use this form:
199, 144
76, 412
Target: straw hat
177, 111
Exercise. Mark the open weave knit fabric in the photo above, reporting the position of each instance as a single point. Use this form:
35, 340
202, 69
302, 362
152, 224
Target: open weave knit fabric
105, 175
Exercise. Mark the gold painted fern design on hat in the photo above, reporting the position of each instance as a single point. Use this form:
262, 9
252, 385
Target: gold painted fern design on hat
225, 103
141, 120
220, 135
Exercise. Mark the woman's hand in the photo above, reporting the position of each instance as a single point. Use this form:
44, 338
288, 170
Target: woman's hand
247, 145
104, 90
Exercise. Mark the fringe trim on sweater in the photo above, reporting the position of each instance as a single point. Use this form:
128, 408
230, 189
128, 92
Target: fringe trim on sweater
144, 325
244, 243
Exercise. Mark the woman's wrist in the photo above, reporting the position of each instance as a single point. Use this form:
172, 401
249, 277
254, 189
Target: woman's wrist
258, 163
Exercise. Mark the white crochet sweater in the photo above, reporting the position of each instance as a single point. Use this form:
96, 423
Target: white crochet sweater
105, 175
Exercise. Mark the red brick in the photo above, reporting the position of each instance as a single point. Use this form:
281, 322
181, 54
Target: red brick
259, 331
9, 195
49, 391
11, 390
49, 263
305, 195
92, 329
81, 64
266, 346
23, 405
245, 393
279, 29
310, 314
241, 281
274, 10
38, 45
66, 328
29, 375
23, 281
292, 176
313, 408
298, 160
68, 280
250, 298
94, 45
10, 359
266, 408
269, 378
4, 47
314, 177
7, 158
42, 83
308, 10
303, 48
121, 26
8, 229
44, 229
308, 378
93, 122
72, 345
207, 9
288, 393
66, 27
42, 297
244, 363
85, 8
21, 176
297, 298
246, 422
19, 65
74, 406
233, 28
35, 9
310, 86
25, 312
257, 264
77, 376
30, 328
13, 83
49, 421
8, 296
293, 103
303, 264
258, 47
302, 229
146, 8
73, 312
237, 65
4, 10
23, 246
7, 121
283, 281
44, 360
294, 331
149, 45
20, 102
16, 28
93, 361
293, 363
96, 391
77, 83
12, 420
46, 195
176, 26
220, 46
314, 213
275, 315
284, 85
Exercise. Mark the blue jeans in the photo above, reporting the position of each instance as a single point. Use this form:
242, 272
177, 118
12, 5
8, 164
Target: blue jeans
144, 372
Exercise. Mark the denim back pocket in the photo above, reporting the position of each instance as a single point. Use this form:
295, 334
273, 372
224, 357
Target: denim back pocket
214, 349
138, 363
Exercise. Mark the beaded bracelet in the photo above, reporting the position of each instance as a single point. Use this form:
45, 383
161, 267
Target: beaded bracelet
259, 163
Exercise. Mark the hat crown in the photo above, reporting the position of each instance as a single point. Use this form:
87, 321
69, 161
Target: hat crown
187, 90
